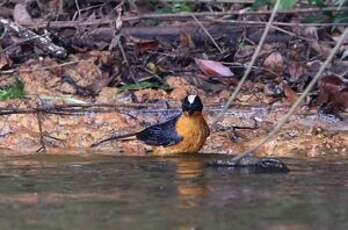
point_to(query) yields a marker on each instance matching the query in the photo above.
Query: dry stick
(292, 24)
(41, 42)
(299, 100)
(42, 142)
(177, 16)
(213, 1)
(26, 70)
(207, 33)
(253, 59)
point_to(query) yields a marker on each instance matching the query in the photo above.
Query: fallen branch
(43, 43)
(176, 16)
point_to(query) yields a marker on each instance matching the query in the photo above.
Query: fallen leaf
(274, 62)
(290, 94)
(144, 45)
(213, 68)
(4, 61)
(186, 40)
(334, 91)
(311, 32)
(21, 15)
(296, 70)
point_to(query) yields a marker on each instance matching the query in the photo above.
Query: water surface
(65, 192)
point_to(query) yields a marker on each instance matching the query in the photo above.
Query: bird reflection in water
(190, 182)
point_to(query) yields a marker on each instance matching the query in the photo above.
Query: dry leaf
(20, 14)
(322, 48)
(144, 44)
(290, 94)
(333, 90)
(311, 32)
(296, 70)
(186, 40)
(274, 62)
(213, 68)
(4, 61)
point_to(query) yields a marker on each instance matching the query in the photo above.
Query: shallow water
(55, 192)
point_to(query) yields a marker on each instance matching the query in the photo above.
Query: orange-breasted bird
(185, 133)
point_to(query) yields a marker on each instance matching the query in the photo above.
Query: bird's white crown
(191, 98)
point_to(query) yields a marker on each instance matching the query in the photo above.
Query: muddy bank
(305, 135)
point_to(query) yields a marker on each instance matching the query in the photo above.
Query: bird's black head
(191, 104)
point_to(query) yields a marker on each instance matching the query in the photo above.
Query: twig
(78, 9)
(11, 71)
(177, 16)
(253, 59)
(213, 1)
(41, 42)
(299, 100)
(259, 23)
(208, 34)
(42, 142)
(71, 109)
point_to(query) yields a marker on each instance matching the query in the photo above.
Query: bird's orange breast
(194, 130)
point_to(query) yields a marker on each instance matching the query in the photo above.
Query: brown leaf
(311, 32)
(143, 44)
(290, 94)
(20, 14)
(296, 70)
(186, 40)
(213, 68)
(322, 48)
(333, 90)
(274, 62)
(4, 61)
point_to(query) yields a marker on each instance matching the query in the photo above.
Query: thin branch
(41, 42)
(176, 16)
(213, 1)
(299, 100)
(253, 59)
(42, 142)
(208, 34)
(26, 70)
(291, 24)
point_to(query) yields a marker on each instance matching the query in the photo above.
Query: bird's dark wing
(162, 134)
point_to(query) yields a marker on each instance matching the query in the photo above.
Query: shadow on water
(65, 192)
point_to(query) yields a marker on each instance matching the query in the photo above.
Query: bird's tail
(113, 137)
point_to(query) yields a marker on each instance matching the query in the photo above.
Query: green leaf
(12, 91)
(315, 18)
(259, 3)
(144, 85)
(175, 7)
(341, 17)
(181, 7)
(287, 4)
(284, 4)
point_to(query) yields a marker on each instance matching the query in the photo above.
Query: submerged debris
(263, 165)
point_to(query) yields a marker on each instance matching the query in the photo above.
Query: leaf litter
(98, 90)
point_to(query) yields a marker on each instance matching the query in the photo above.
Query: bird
(183, 134)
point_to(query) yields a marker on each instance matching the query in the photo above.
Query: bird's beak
(190, 112)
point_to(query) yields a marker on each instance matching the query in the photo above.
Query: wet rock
(263, 165)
